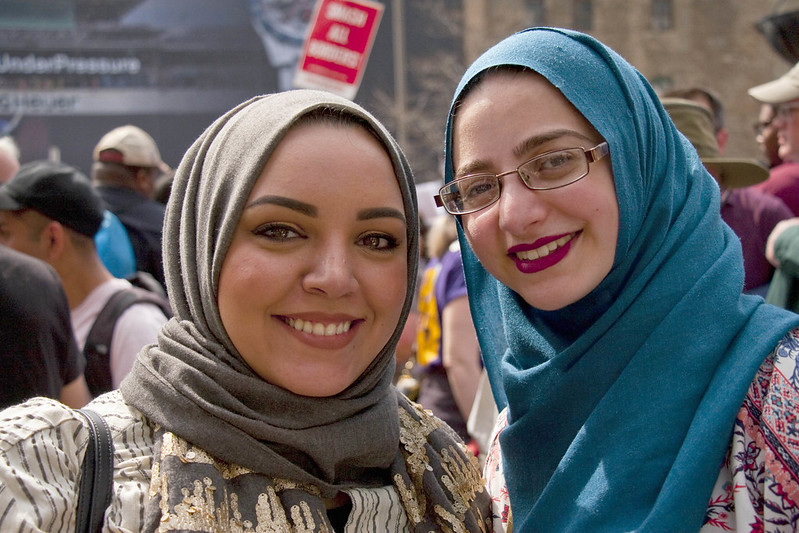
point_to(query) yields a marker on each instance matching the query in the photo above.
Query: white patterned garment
(42, 444)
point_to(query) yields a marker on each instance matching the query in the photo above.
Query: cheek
(386, 288)
(607, 223)
(242, 284)
(477, 227)
(22, 243)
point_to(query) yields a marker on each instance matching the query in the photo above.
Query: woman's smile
(318, 328)
(326, 334)
(542, 254)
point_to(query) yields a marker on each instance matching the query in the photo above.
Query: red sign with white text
(339, 40)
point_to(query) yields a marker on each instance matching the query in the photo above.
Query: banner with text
(337, 47)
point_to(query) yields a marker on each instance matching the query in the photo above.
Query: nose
(331, 272)
(518, 205)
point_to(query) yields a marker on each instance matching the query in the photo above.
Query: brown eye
(379, 242)
(277, 232)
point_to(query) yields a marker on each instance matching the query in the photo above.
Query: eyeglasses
(785, 111)
(551, 170)
(761, 126)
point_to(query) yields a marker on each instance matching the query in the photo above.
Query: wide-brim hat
(783, 89)
(696, 123)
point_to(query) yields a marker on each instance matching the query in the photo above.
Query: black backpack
(146, 289)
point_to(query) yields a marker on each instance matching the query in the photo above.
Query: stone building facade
(673, 43)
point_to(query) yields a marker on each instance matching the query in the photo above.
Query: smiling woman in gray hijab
(258, 409)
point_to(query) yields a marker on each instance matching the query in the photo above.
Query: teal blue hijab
(621, 406)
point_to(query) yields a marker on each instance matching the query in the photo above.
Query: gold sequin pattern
(461, 475)
(201, 508)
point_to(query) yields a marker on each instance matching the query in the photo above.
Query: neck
(80, 276)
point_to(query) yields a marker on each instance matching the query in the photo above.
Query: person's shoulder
(433, 451)
(784, 355)
(757, 199)
(132, 432)
(30, 288)
(788, 169)
(777, 376)
(120, 415)
(769, 425)
(42, 448)
(43, 419)
(421, 426)
(18, 265)
(126, 203)
(143, 313)
(51, 423)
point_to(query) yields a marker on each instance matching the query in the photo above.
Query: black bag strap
(97, 349)
(97, 475)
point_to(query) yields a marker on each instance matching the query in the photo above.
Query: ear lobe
(54, 237)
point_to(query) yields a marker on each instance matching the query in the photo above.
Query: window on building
(662, 14)
(583, 15)
(537, 12)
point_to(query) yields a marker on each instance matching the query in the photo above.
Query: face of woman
(315, 279)
(554, 246)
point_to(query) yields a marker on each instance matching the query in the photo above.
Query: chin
(551, 301)
(323, 390)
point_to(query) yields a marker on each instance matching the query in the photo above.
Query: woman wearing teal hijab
(608, 304)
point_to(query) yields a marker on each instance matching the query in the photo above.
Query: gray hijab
(194, 384)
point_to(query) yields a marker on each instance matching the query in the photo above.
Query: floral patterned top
(758, 487)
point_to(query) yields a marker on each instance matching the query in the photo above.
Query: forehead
(518, 91)
(338, 159)
(506, 109)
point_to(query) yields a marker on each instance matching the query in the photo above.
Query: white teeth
(317, 328)
(545, 250)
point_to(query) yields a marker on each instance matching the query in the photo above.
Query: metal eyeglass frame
(591, 155)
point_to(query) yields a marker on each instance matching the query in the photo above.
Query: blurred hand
(776, 232)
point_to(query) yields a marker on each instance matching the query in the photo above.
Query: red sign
(337, 46)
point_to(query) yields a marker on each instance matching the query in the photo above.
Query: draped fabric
(621, 405)
(199, 390)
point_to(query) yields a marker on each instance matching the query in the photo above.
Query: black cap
(57, 191)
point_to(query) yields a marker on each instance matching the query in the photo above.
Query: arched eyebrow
(311, 211)
(522, 149)
(531, 143)
(282, 201)
(381, 212)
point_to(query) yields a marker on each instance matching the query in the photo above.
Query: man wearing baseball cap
(127, 165)
(52, 212)
(783, 94)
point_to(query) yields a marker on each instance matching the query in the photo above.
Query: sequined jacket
(42, 444)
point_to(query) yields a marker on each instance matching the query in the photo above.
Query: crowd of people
(604, 288)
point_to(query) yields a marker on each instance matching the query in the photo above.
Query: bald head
(9, 159)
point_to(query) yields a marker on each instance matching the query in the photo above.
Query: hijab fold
(212, 407)
(621, 405)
